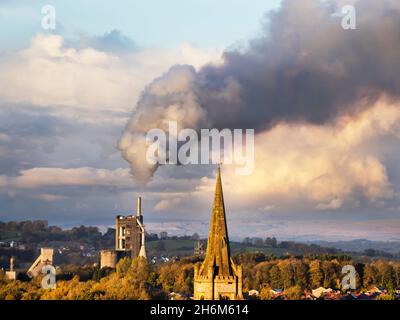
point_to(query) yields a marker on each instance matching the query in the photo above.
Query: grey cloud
(303, 68)
(93, 196)
(113, 41)
(28, 134)
(32, 136)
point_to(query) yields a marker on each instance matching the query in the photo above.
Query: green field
(183, 248)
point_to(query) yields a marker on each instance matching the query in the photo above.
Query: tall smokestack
(139, 206)
(11, 264)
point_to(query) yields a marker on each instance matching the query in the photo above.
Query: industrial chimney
(11, 264)
(139, 206)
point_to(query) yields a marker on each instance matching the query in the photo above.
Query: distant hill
(80, 245)
(362, 245)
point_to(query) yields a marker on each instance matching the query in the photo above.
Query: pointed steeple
(218, 252)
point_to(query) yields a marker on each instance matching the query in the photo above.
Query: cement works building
(129, 239)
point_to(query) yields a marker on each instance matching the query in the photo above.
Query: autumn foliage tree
(137, 279)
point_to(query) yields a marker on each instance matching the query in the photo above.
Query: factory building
(129, 238)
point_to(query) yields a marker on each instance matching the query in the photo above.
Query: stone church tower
(218, 277)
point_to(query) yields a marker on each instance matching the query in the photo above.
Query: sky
(75, 104)
(166, 24)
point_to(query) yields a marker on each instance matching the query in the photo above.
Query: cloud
(50, 177)
(303, 68)
(27, 134)
(32, 136)
(68, 108)
(90, 195)
(166, 205)
(268, 207)
(294, 230)
(303, 167)
(299, 167)
(114, 42)
(86, 79)
(334, 204)
(48, 197)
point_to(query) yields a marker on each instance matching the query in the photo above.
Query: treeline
(300, 248)
(34, 232)
(137, 279)
(38, 231)
(304, 248)
(132, 280)
(311, 272)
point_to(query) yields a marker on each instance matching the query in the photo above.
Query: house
(332, 295)
(377, 290)
(277, 294)
(276, 291)
(254, 293)
(363, 296)
(176, 296)
(317, 293)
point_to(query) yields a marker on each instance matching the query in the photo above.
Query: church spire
(218, 252)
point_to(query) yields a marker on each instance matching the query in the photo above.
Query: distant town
(76, 253)
(126, 262)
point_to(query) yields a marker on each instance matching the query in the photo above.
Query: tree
(287, 273)
(387, 296)
(316, 274)
(387, 278)
(294, 293)
(274, 242)
(184, 279)
(176, 277)
(3, 279)
(266, 294)
(396, 269)
(275, 277)
(261, 274)
(163, 235)
(195, 236)
(329, 274)
(258, 242)
(370, 276)
(359, 274)
(127, 283)
(123, 266)
(301, 274)
(247, 241)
